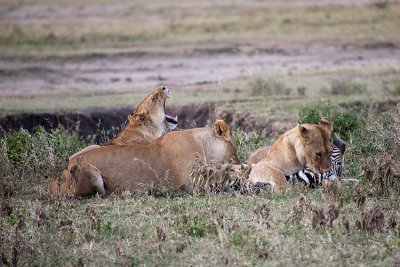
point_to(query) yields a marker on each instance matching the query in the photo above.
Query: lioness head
(314, 146)
(152, 110)
(222, 132)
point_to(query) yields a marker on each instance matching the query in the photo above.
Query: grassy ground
(202, 229)
(227, 229)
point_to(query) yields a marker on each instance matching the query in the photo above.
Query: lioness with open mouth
(306, 145)
(167, 160)
(146, 123)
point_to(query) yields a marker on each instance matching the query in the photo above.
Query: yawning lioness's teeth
(171, 118)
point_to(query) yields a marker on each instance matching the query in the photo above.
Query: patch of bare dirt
(105, 123)
(184, 66)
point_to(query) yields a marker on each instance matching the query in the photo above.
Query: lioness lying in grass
(146, 123)
(306, 145)
(167, 160)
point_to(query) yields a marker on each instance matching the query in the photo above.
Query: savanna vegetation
(331, 225)
(63, 56)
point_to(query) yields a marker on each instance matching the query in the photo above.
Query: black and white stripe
(312, 179)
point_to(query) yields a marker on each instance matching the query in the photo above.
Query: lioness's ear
(302, 131)
(326, 123)
(221, 129)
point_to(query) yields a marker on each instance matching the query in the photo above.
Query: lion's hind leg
(264, 173)
(89, 180)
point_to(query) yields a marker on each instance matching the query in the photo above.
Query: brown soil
(105, 123)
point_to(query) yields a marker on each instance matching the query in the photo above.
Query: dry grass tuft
(299, 209)
(359, 196)
(217, 177)
(160, 234)
(262, 211)
(41, 218)
(180, 247)
(333, 191)
(382, 174)
(371, 220)
(7, 190)
(6, 209)
(394, 221)
(93, 218)
(66, 225)
(323, 215)
(218, 219)
(263, 252)
(346, 224)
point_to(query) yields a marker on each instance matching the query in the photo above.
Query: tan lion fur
(304, 145)
(146, 123)
(165, 161)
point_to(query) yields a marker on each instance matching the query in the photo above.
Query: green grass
(140, 229)
(212, 230)
(236, 95)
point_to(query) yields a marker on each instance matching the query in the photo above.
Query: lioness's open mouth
(169, 118)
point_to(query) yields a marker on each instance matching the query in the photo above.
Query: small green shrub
(19, 144)
(345, 124)
(262, 87)
(347, 88)
(36, 155)
(313, 113)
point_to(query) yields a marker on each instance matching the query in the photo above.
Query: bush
(382, 4)
(345, 124)
(313, 113)
(18, 145)
(347, 88)
(261, 87)
(36, 156)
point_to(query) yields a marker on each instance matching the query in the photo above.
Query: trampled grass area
(194, 230)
